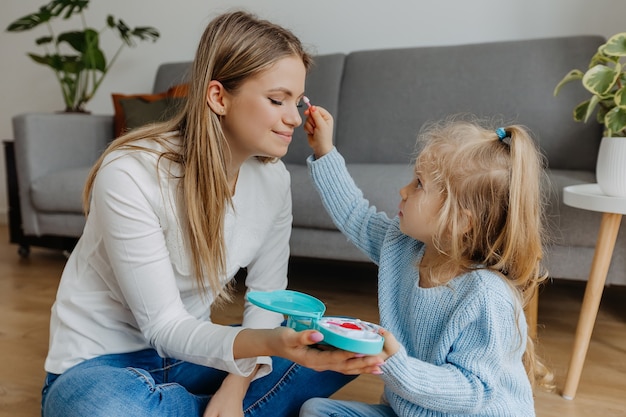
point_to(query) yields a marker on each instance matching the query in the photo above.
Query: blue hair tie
(501, 133)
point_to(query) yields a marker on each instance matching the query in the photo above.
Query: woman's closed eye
(275, 102)
(281, 102)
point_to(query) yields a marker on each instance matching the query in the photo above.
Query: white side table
(590, 197)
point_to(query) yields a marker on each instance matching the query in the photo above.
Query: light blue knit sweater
(462, 343)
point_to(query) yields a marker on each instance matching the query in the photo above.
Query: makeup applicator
(306, 101)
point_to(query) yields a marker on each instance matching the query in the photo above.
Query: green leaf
(44, 40)
(30, 21)
(570, 76)
(600, 58)
(600, 79)
(76, 39)
(616, 45)
(43, 59)
(95, 60)
(615, 119)
(72, 65)
(591, 107)
(146, 33)
(581, 110)
(124, 32)
(70, 7)
(141, 32)
(620, 97)
(603, 107)
(64, 63)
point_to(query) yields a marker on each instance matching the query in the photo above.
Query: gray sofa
(380, 99)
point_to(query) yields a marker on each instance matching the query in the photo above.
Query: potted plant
(605, 79)
(75, 56)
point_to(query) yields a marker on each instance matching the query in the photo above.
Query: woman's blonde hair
(492, 213)
(234, 47)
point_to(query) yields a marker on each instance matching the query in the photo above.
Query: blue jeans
(144, 384)
(323, 407)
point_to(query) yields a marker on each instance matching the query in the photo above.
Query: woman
(175, 209)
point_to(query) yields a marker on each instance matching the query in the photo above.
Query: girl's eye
(275, 102)
(418, 183)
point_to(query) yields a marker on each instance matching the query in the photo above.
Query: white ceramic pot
(611, 166)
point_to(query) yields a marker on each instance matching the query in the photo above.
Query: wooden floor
(27, 289)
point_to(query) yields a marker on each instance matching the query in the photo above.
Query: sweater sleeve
(484, 355)
(344, 201)
(124, 199)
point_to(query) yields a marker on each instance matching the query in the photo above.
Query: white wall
(324, 25)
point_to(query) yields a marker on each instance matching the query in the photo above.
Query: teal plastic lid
(291, 303)
(305, 312)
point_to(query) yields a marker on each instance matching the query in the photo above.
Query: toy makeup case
(305, 312)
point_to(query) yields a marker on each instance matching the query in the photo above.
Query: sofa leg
(23, 251)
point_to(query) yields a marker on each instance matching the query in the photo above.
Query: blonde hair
(234, 47)
(492, 211)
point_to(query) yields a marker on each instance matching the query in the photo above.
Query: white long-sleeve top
(128, 285)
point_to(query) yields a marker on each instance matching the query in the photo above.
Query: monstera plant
(75, 56)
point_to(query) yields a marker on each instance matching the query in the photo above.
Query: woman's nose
(292, 117)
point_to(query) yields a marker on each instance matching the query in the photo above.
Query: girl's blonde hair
(234, 47)
(492, 214)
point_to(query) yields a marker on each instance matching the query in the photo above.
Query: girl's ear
(216, 97)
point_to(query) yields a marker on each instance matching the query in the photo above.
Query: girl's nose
(404, 192)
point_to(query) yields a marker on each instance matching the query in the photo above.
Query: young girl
(456, 267)
(175, 210)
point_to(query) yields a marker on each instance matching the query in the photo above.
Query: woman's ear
(216, 97)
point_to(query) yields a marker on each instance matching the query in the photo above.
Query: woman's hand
(228, 399)
(319, 130)
(296, 346)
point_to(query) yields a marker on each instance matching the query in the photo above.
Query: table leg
(591, 300)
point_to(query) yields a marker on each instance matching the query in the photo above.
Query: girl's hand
(319, 130)
(228, 399)
(296, 346)
(391, 345)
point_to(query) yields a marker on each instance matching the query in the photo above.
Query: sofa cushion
(170, 74)
(387, 95)
(136, 110)
(60, 192)
(380, 184)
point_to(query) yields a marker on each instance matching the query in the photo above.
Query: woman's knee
(103, 391)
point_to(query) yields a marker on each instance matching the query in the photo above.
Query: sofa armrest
(46, 143)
